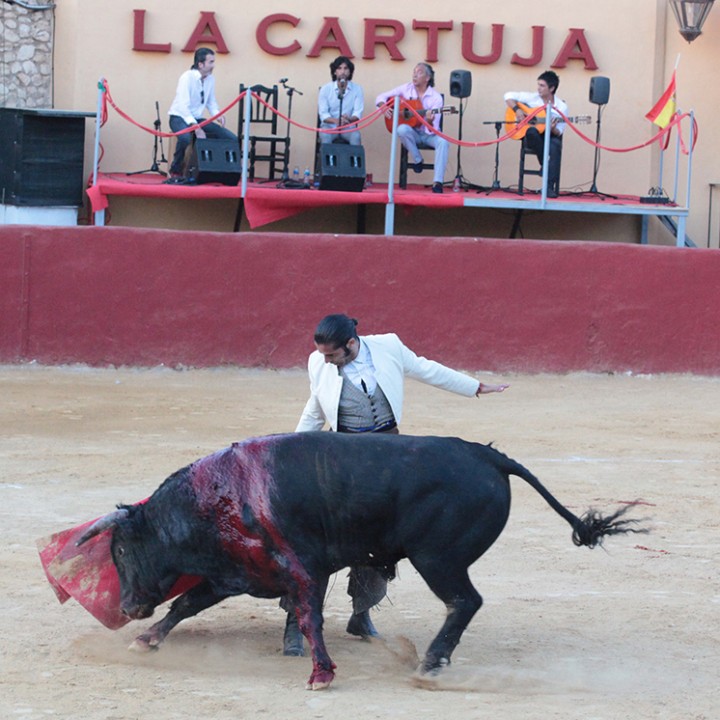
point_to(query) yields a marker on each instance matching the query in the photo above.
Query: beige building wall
(634, 44)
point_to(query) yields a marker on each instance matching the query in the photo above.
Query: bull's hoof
(361, 626)
(432, 668)
(317, 686)
(143, 644)
(320, 680)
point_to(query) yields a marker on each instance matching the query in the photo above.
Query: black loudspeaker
(342, 167)
(215, 160)
(460, 83)
(41, 157)
(599, 90)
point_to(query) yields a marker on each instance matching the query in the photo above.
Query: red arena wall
(143, 297)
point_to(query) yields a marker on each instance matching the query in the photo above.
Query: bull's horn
(104, 523)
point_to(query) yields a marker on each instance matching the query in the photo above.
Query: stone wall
(26, 56)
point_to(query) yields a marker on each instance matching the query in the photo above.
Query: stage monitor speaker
(460, 83)
(215, 160)
(599, 90)
(42, 157)
(342, 167)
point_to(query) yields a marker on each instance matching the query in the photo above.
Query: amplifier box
(342, 167)
(215, 160)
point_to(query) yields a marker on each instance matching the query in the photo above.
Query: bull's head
(140, 561)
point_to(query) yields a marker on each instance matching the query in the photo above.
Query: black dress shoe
(418, 166)
(437, 187)
(361, 625)
(293, 638)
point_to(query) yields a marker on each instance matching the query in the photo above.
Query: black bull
(278, 515)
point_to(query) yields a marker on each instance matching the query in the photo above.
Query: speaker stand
(460, 181)
(596, 163)
(157, 144)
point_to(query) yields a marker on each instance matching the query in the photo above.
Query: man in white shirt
(341, 94)
(356, 386)
(547, 85)
(194, 94)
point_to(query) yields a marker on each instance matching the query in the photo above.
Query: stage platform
(265, 202)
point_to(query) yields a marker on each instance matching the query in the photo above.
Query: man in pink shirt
(422, 87)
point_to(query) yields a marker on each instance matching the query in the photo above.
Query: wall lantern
(690, 16)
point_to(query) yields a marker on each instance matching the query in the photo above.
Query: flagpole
(677, 144)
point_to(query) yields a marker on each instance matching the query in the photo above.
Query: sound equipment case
(42, 157)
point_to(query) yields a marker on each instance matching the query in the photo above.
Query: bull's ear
(104, 523)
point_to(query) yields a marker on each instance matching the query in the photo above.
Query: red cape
(87, 573)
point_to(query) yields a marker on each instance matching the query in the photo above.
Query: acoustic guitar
(406, 117)
(538, 122)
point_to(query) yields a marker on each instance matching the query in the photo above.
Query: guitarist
(422, 88)
(547, 85)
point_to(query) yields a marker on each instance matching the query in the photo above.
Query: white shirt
(193, 95)
(533, 100)
(361, 371)
(353, 101)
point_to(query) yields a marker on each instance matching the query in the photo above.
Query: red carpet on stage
(264, 202)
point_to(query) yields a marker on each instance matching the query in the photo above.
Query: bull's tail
(592, 527)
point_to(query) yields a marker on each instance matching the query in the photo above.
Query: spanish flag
(664, 109)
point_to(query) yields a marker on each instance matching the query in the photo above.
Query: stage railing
(662, 137)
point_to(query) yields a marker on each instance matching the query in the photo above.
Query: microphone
(282, 80)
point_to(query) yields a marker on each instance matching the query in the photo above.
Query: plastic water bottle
(456, 184)
(296, 174)
(306, 178)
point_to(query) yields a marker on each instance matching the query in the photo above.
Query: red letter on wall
(538, 37)
(432, 27)
(139, 35)
(200, 37)
(331, 36)
(261, 34)
(372, 38)
(575, 48)
(468, 31)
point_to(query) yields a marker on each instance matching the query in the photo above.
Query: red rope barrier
(666, 131)
(378, 113)
(107, 98)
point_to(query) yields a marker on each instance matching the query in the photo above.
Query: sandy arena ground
(631, 632)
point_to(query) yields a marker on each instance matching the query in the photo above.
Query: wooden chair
(405, 161)
(524, 150)
(266, 146)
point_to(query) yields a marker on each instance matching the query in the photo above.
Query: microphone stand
(155, 167)
(285, 179)
(498, 126)
(341, 94)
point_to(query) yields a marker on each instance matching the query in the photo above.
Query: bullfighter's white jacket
(393, 361)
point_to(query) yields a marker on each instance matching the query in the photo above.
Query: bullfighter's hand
(484, 389)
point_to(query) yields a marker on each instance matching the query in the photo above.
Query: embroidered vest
(358, 411)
